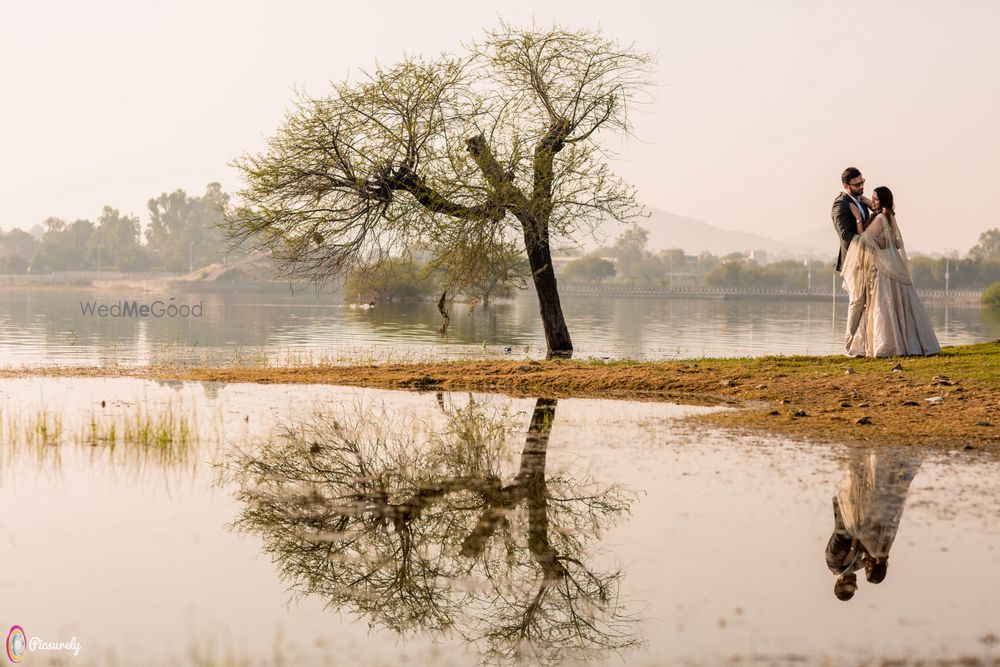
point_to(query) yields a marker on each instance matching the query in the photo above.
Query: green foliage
(480, 271)
(588, 270)
(988, 246)
(991, 297)
(636, 265)
(735, 271)
(968, 273)
(391, 280)
(706, 262)
(465, 153)
(115, 242)
(64, 247)
(17, 249)
(184, 232)
(630, 247)
(13, 264)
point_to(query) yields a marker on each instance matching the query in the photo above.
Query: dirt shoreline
(951, 400)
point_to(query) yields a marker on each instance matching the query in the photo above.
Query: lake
(291, 525)
(51, 326)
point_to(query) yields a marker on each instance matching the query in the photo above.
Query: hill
(668, 230)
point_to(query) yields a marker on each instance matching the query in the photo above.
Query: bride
(894, 322)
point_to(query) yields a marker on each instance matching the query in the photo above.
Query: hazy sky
(760, 105)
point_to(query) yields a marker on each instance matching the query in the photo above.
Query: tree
(469, 152)
(64, 247)
(17, 249)
(481, 272)
(588, 270)
(116, 241)
(726, 274)
(400, 280)
(706, 262)
(636, 265)
(630, 246)
(988, 246)
(185, 232)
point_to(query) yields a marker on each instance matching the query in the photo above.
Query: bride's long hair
(866, 254)
(886, 200)
(888, 204)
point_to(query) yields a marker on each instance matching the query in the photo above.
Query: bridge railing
(701, 290)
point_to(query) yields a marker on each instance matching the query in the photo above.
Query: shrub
(991, 297)
(588, 270)
(394, 279)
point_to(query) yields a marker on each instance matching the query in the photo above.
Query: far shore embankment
(134, 283)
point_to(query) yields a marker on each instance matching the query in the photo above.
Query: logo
(17, 643)
(158, 308)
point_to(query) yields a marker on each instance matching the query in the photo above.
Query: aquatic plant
(165, 431)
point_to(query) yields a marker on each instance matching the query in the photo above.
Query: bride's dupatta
(866, 256)
(888, 318)
(900, 261)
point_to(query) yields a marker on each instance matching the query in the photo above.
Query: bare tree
(468, 153)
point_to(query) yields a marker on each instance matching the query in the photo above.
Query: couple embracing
(886, 317)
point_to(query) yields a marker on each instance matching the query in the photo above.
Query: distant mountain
(667, 230)
(820, 239)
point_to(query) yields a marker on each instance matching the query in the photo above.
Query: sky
(758, 104)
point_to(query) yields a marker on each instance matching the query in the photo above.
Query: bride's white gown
(894, 322)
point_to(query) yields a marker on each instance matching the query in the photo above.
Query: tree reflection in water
(423, 533)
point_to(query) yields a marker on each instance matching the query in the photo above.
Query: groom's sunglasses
(857, 183)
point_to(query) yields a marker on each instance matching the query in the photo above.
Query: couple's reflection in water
(867, 510)
(448, 530)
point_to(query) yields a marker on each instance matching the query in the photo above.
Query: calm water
(48, 327)
(334, 526)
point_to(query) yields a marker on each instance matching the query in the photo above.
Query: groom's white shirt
(861, 207)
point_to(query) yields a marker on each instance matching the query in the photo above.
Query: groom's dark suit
(847, 228)
(844, 223)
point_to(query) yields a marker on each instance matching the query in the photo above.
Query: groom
(846, 226)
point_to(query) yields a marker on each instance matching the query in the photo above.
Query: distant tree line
(419, 276)
(183, 233)
(629, 262)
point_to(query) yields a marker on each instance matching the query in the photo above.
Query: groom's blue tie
(861, 207)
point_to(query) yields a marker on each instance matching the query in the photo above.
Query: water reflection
(429, 534)
(866, 513)
(43, 327)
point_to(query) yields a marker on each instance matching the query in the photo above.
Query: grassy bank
(949, 400)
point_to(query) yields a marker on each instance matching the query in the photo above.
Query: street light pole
(947, 276)
(809, 270)
(949, 254)
(191, 257)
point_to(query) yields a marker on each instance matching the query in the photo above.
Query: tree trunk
(532, 477)
(557, 339)
(444, 313)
